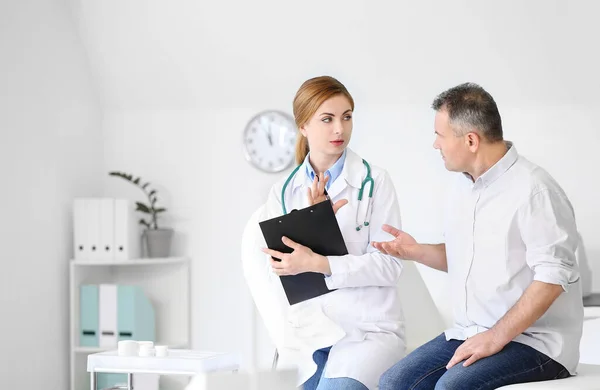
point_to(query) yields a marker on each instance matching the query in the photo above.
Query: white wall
(50, 151)
(180, 79)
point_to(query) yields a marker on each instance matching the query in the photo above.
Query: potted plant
(158, 240)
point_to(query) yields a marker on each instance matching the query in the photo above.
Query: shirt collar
(353, 173)
(333, 172)
(498, 169)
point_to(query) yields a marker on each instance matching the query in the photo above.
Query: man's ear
(473, 140)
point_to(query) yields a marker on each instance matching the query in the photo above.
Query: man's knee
(457, 378)
(395, 378)
(340, 383)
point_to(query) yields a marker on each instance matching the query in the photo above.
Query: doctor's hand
(477, 347)
(316, 194)
(404, 246)
(301, 260)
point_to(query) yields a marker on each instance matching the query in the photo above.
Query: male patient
(510, 242)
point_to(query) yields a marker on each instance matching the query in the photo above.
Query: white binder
(92, 228)
(107, 324)
(127, 238)
(106, 229)
(80, 243)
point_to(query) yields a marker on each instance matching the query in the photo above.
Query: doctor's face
(329, 130)
(453, 148)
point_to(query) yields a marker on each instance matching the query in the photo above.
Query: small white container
(146, 350)
(150, 343)
(162, 351)
(128, 348)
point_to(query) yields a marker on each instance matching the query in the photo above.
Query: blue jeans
(425, 368)
(319, 382)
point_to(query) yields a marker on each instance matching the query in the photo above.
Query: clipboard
(315, 227)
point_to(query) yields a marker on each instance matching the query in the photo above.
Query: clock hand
(269, 136)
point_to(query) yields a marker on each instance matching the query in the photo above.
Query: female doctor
(365, 304)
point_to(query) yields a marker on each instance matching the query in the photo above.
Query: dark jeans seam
(421, 379)
(560, 373)
(514, 374)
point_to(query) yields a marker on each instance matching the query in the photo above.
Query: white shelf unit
(166, 283)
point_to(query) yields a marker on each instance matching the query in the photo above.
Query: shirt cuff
(555, 275)
(339, 272)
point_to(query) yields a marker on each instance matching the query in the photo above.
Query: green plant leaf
(145, 185)
(143, 208)
(152, 193)
(143, 222)
(160, 210)
(119, 174)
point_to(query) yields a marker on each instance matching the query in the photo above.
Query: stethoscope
(368, 180)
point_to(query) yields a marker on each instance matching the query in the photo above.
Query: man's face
(454, 149)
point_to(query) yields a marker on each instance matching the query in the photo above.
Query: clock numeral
(280, 160)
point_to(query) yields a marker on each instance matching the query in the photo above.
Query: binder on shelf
(106, 229)
(110, 313)
(88, 316)
(86, 228)
(80, 243)
(142, 381)
(127, 238)
(108, 316)
(105, 380)
(135, 315)
(92, 217)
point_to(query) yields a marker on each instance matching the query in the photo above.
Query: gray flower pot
(158, 242)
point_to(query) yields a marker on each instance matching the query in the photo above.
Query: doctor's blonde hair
(308, 99)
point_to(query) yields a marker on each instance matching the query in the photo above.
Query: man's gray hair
(471, 108)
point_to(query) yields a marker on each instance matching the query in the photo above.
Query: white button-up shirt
(512, 226)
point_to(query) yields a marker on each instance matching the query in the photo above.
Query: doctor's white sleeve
(372, 268)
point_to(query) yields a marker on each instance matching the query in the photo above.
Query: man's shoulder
(532, 178)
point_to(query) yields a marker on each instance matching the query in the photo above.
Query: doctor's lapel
(352, 174)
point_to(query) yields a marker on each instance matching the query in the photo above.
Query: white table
(179, 362)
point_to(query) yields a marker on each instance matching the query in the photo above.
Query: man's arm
(434, 256)
(405, 247)
(534, 302)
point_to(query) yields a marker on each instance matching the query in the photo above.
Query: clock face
(270, 141)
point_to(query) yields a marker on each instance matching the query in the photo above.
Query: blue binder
(88, 316)
(107, 381)
(135, 315)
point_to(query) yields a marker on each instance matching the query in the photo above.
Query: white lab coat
(363, 318)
